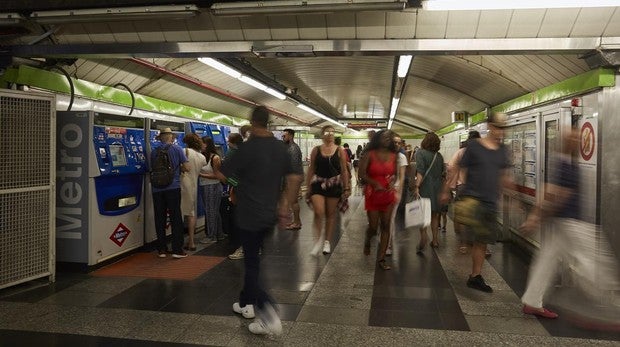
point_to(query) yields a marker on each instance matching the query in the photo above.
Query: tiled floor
(337, 299)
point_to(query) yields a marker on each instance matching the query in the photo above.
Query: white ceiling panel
(124, 32)
(175, 31)
(74, 33)
(525, 23)
(99, 32)
(591, 22)
(494, 24)
(150, 31)
(312, 27)
(227, 28)
(462, 24)
(370, 25)
(613, 27)
(400, 25)
(340, 26)
(255, 28)
(431, 25)
(201, 28)
(558, 22)
(284, 27)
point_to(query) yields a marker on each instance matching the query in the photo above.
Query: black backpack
(162, 172)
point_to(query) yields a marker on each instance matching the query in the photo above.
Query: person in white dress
(189, 184)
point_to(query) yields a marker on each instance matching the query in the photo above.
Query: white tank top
(203, 181)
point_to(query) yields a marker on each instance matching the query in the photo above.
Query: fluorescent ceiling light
(403, 65)
(7, 19)
(276, 93)
(304, 6)
(254, 83)
(394, 107)
(455, 5)
(390, 122)
(168, 12)
(221, 67)
(319, 114)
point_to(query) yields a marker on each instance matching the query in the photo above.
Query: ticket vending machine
(154, 127)
(100, 173)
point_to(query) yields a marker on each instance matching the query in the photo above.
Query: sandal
(293, 226)
(383, 265)
(435, 244)
(463, 249)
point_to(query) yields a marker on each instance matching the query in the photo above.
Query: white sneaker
(238, 254)
(246, 311)
(326, 247)
(316, 248)
(207, 241)
(270, 324)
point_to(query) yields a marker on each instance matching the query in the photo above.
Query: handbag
(418, 213)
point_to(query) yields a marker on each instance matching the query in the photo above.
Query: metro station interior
(86, 87)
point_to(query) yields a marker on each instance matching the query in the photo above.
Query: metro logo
(120, 234)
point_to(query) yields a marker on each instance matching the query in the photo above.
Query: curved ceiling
(342, 64)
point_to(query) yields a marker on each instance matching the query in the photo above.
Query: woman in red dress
(378, 170)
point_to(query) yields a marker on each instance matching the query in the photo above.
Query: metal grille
(24, 150)
(25, 246)
(27, 125)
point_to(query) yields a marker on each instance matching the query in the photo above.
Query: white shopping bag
(418, 213)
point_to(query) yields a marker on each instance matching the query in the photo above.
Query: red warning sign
(587, 142)
(120, 234)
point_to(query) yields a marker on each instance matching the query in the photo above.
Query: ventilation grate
(24, 149)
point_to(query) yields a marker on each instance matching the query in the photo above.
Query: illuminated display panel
(117, 153)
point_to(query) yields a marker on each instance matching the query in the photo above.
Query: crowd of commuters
(264, 176)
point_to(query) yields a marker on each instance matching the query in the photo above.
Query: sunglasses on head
(329, 132)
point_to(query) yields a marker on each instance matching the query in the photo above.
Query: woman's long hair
(210, 149)
(431, 142)
(375, 142)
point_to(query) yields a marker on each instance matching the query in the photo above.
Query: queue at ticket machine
(100, 171)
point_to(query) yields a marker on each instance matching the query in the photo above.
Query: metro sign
(120, 234)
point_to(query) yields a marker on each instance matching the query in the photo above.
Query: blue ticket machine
(100, 173)
(154, 127)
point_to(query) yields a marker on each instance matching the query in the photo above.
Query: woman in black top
(327, 181)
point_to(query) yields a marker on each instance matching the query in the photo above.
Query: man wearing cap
(486, 162)
(169, 198)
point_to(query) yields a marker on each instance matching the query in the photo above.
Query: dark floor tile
(195, 299)
(409, 305)
(406, 319)
(149, 294)
(454, 321)
(40, 289)
(288, 312)
(32, 338)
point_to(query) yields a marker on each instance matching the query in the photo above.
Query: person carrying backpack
(167, 163)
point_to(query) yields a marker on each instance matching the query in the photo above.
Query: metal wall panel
(99, 32)
(400, 25)
(283, 27)
(370, 25)
(591, 22)
(201, 28)
(227, 29)
(493, 24)
(312, 27)
(255, 28)
(462, 25)
(340, 26)
(150, 31)
(558, 22)
(27, 187)
(613, 26)
(431, 25)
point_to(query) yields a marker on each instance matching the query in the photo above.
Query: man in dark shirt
(486, 161)
(297, 164)
(259, 165)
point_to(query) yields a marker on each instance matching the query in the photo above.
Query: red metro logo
(120, 234)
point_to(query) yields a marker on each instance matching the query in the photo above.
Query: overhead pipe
(196, 82)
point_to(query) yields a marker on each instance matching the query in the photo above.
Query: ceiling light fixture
(248, 8)
(220, 67)
(275, 93)
(319, 114)
(404, 61)
(252, 82)
(9, 19)
(456, 5)
(393, 108)
(168, 12)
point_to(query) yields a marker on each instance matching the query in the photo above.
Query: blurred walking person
(486, 161)
(296, 162)
(259, 165)
(328, 182)
(428, 184)
(378, 170)
(400, 187)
